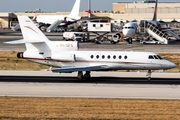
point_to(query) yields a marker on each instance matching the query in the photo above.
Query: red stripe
(30, 29)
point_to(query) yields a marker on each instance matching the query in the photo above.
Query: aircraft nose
(171, 65)
(127, 33)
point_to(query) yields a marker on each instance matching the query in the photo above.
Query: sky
(59, 5)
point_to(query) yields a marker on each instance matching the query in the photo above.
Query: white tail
(75, 11)
(37, 44)
(30, 31)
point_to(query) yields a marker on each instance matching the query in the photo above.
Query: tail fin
(155, 12)
(30, 31)
(75, 11)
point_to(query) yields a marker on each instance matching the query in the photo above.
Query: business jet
(65, 19)
(65, 55)
(134, 29)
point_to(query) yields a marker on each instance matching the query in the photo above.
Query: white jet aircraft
(130, 29)
(67, 19)
(65, 55)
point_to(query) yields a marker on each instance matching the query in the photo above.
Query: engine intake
(20, 55)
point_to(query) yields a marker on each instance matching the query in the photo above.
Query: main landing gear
(86, 76)
(129, 40)
(149, 74)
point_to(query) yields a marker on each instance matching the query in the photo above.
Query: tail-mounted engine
(20, 55)
(68, 57)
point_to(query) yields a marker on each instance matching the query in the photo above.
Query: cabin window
(155, 57)
(109, 57)
(101, 25)
(114, 57)
(94, 25)
(97, 56)
(120, 57)
(92, 56)
(125, 57)
(151, 57)
(103, 57)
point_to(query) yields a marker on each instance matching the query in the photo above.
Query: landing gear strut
(86, 76)
(80, 75)
(129, 40)
(149, 74)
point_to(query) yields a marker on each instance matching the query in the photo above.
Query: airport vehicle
(62, 20)
(76, 36)
(65, 55)
(101, 29)
(146, 28)
(114, 39)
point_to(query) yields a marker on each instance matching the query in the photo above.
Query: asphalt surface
(8, 35)
(101, 85)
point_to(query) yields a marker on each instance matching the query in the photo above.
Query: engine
(20, 55)
(120, 35)
(68, 57)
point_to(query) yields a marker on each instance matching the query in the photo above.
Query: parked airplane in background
(146, 28)
(65, 55)
(60, 19)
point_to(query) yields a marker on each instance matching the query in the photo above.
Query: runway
(102, 85)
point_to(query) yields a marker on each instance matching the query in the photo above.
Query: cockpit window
(156, 57)
(151, 57)
(159, 57)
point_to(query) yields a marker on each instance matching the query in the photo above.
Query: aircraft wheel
(112, 42)
(87, 76)
(97, 42)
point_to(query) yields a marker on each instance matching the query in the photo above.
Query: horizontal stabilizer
(24, 41)
(75, 69)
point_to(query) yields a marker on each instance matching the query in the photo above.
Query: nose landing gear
(149, 75)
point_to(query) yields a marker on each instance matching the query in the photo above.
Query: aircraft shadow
(102, 80)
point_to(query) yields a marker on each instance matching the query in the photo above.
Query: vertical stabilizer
(75, 11)
(30, 31)
(155, 12)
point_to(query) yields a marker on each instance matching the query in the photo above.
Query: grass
(87, 108)
(82, 108)
(9, 61)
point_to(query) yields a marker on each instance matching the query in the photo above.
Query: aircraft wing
(176, 29)
(75, 69)
(173, 34)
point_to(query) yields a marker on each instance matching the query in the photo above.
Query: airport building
(121, 11)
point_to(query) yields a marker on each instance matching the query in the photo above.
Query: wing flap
(75, 69)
